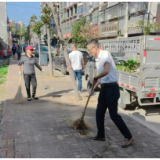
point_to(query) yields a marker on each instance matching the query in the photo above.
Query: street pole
(39, 50)
(71, 73)
(50, 55)
(126, 22)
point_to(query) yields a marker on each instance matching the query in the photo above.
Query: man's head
(93, 47)
(74, 46)
(29, 50)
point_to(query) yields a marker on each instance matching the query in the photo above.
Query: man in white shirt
(109, 93)
(77, 62)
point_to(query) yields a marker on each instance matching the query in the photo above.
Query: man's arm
(37, 65)
(21, 61)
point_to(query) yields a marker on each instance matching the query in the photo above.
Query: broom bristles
(80, 124)
(19, 96)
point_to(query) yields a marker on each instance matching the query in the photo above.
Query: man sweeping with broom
(109, 93)
(29, 62)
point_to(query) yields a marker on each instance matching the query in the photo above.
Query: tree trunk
(71, 73)
(39, 50)
(51, 73)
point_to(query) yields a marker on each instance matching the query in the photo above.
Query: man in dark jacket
(29, 62)
(14, 50)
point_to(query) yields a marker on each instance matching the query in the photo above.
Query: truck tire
(63, 70)
(124, 99)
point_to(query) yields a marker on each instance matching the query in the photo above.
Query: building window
(80, 9)
(75, 7)
(71, 11)
(68, 14)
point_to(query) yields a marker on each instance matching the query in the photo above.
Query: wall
(3, 29)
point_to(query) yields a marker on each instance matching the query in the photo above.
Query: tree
(89, 31)
(76, 36)
(36, 28)
(13, 30)
(147, 28)
(53, 7)
(46, 20)
(21, 32)
(28, 34)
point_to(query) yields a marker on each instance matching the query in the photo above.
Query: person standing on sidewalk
(77, 62)
(109, 93)
(14, 50)
(29, 62)
(18, 50)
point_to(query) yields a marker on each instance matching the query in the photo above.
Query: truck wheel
(63, 70)
(89, 85)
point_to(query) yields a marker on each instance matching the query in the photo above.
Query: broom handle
(20, 80)
(86, 106)
(42, 79)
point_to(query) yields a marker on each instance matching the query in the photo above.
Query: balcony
(138, 7)
(71, 5)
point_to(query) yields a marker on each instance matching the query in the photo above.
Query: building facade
(3, 26)
(113, 19)
(110, 17)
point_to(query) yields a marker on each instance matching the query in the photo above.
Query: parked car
(60, 63)
(44, 49)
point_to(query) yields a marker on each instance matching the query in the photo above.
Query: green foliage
(21, 32)
(35, 25)
(46, 16)
(36, 28)
(33, 19)
(3, 74)
(147, 28)
(12, 28)
(128, 66)
(28, 36)
(76, 37)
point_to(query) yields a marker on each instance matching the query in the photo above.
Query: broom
(19, 96)
(80, 123)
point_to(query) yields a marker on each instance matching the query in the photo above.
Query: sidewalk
(40, 129)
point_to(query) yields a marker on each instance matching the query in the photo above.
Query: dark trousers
(19, 56)
(14, 51)
(78, 74)
(30, 79)
(108, 98)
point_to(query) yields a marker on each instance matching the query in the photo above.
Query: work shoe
(36, 98)
(29, 99)
(127, 142)
(96, 138)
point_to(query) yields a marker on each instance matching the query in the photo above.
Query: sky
(22, 11)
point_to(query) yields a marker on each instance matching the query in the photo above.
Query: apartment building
(109, 17)
(3, 26)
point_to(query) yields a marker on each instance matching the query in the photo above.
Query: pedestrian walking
(109, 93)
(18, 51)
(77, 62)
(29, 62)
(14, 50)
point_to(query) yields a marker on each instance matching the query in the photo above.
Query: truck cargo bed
(128, 80)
